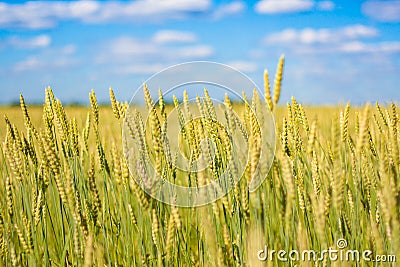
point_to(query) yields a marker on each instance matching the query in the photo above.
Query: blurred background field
(109, 125)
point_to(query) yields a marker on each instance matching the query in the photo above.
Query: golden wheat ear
(278, 79)
(267, 91)
(115, 105)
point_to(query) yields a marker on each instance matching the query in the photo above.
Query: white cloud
(347, 40)
(390, 47)
(149, 55)
(244, 66)
(151, 10)
(193, 52)
(48, 59)
(69, 49)
(37, 63)
(81, 9)
(171, 36)
(40, 41)
(140, 68)
(360, 47)
(283, 6)
(46, 14)
(358, 31)
(27, 64)
(128, 48)
(353, 47)
(326, 5)
(229, 9)
(386, 11)
(324, 35)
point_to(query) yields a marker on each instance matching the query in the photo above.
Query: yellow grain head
(393, 132)
(147, 97)
(228, 244)
(95, 108)
(176, 216)
(316, 179)
(22, 240)
(154, 227)
(96, 202)
(245, 197)
(363, 130)
(278, 79)
(9, 196)
(170, 236)
(132, 215)
(285, 138)
(28, 122)
(86, 131)
(381, 114)
(345, 125)
(267, 91)
(312, 137)
(161, 104)
(74, 136)
(79, 215)
(114, 104)
(117, 164)
(38, 208)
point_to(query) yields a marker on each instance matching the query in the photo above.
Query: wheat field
(69, 199)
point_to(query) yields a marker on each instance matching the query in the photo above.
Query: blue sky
(336, 51)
